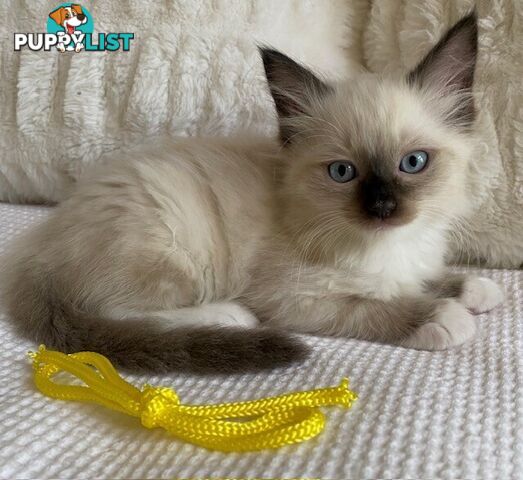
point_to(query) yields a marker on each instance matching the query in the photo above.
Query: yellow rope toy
(228, 427)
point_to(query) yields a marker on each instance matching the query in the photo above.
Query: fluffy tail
(145, 345)
(139, 346)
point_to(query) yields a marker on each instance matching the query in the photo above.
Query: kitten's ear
(293, 88)
(449, 66)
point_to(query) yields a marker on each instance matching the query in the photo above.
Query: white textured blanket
(193, 69)
(454, 414)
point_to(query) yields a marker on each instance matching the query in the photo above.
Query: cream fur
(211, 85)
(172, 230)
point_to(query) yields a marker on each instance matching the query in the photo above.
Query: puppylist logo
(70, 27)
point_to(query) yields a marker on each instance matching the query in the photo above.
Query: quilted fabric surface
(454, 414)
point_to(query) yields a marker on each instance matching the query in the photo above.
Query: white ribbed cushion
(455, 414)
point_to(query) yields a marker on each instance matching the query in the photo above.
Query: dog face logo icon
(69, 22)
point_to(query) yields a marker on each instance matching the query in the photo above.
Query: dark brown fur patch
(292, 87)
(405, 208)
(453, 59)
(407, 190)
(139, 345)
(391, 321)
(450, 286)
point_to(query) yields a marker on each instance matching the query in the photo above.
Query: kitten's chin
(384, 224)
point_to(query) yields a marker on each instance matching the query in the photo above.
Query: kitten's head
(375, 154)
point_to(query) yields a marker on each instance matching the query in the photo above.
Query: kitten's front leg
(420, 322)
(478, 294)
(450, 324)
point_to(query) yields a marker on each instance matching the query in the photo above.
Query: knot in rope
(156, 403)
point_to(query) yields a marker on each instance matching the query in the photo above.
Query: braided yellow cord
(229, 427)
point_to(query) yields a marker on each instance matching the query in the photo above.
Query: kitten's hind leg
(223, 314)
(477, 294)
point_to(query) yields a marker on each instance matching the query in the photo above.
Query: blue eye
(342, 172)
(414, 162)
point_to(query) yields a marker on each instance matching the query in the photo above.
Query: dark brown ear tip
(467, 24)
(269, 53)
(464, 33)
(271, 57)
(471, 18)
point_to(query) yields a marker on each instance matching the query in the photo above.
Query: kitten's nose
(382, 207)
(378, 199)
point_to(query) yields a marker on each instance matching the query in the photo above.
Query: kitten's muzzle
(378, 199)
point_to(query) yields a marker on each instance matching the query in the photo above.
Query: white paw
(232, 314)
(79, 47)
(452, 325)
(61, 48)
(481, 294)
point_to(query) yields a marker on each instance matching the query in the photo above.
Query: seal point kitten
(171, 255)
